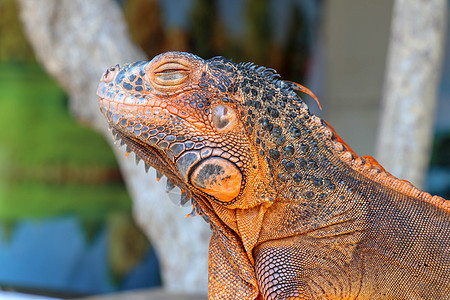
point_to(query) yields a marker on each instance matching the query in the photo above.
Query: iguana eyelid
(171, 66)
(171, 78)
(170, 74)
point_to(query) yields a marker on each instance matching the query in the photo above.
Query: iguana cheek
(218, 177)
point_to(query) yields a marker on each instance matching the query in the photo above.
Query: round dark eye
(170, 74)
(224, 117)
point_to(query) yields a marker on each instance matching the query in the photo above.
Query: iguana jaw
(152, 157)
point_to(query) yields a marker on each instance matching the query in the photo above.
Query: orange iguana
(295, 213)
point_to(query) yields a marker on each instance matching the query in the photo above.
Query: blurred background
(66, 224)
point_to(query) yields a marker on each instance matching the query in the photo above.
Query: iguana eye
(218, 177)
(224, 117)
(170, 74)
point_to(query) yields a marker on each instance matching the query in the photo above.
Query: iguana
(295, 213)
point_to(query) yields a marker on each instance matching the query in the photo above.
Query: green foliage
(207, 35)
(50, 165)
(34, 199)
(13, 44)
(202, 36)
(128, 245)
(258, 22)
(145, 23)
(34, 109)
(440, 155)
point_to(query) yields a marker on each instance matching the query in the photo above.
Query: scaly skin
(295, 213)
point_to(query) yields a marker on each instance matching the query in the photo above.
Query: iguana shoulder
(294, 211)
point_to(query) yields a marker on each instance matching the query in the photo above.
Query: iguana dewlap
(295, 213)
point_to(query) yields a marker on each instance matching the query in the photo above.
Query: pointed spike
(169, 186)
(122, 143)
(184, 199)
(301, 88)
(193, 213)
(260, 69)
(205, 217)
(158, 175)
(127, 154)
(128, 149)
(138, 158)
(269, 71)
(147, 166)
(274, 76)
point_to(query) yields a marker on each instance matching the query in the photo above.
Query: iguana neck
(302, 150)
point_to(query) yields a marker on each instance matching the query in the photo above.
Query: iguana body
(295, 214)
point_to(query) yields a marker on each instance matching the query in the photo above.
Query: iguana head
(213, 127)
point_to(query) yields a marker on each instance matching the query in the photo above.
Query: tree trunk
(76, 41)
(409, 96)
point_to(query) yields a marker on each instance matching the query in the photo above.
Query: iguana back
(295, 213)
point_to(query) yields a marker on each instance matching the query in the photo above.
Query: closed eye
(170, 74)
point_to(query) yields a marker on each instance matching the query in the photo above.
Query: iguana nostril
(110, 74)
